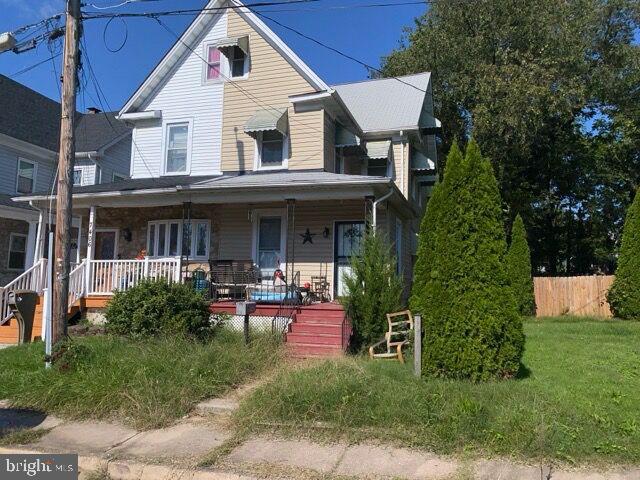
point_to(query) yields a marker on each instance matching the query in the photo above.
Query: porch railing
(32, 279)
(77, 282)
(106, 276)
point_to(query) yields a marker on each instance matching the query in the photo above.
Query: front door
(106, 244)
(270, 244)
(348, 242)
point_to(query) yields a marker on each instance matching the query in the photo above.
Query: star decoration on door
(307, 237)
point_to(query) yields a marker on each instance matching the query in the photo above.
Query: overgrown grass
(145, 384)
(577, 401)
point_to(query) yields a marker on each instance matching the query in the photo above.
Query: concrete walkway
(177, 451)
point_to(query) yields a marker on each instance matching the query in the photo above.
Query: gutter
(374, 223)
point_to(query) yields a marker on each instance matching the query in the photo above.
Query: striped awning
(344, 138)
(268, 119)
(241, 42)
(379, 149)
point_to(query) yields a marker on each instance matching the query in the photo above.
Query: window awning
(268, 119)
(344, 138)
(379, 149)
(420, 162)
(229, 42)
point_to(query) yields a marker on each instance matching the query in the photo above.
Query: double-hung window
(77, 177)
(170, 238)
(17, 251)
(26, 176)
(272, 149)
(213, 63)
(237, 62)
(377, 167)
(176, 148)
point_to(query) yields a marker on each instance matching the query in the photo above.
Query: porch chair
(395, 338)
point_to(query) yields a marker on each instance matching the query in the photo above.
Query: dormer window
(377, 167)
(237, 61)
(377, 164)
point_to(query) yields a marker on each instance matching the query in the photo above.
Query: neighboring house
(241, 153)
(29, 132)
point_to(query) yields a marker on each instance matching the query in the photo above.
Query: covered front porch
(253, 242)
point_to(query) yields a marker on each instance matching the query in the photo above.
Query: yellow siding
(270, 82)
(329, 143)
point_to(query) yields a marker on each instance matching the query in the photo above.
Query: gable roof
(389, 104)
(194, 32)
(33, 118)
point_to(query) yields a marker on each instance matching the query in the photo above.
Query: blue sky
(366, 34)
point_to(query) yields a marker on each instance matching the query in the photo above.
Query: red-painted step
(300, 350)
(316, 328)
(314, 339)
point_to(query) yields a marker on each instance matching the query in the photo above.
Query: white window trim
(165, 143)
(26, 244)
(268, 212)
(35, 174)
(257, 155)
(81, 170)
(167, 224)
(225, 67)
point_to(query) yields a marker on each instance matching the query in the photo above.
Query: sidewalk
(178, 451)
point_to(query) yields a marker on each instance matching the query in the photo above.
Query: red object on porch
(318, 330)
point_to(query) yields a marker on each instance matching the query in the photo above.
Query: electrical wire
(31, 67)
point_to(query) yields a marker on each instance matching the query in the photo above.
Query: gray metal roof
(5, 201)
(33, 118)
(283, 179)
(387, 103)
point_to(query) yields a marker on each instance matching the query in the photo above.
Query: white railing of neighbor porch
(77, 283)
(106, 276)
(32, 279)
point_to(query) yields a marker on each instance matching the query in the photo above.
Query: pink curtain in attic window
(213, 70)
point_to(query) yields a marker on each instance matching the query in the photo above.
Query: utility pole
(65, 172)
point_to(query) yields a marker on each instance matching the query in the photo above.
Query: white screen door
(348, 242)
(270, 244)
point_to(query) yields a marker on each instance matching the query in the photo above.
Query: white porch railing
(77, 283)
(32, 279)
(106, 276)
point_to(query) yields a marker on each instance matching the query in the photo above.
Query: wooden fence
(582, 296)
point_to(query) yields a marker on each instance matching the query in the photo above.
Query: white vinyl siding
(184, 93)
(9, 169)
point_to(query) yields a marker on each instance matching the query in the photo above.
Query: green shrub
(427, 236)
(624, 294)
(155, 307)
(471, 322)
(518, 264)
(373, 290)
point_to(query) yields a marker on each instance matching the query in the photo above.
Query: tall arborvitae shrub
(624, 294)
(472, 326)
(373, 289)
(519, 269)
(428, 227)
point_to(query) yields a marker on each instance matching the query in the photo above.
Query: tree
(549, 90)
(624, 294)
(428, 228)
(472, 327)
(518, 263)
(373, 289)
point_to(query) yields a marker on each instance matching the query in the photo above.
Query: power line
(28, 69)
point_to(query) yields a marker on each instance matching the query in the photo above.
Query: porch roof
(264, 186)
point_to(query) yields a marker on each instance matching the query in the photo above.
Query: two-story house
(29, 139)
(242, 154)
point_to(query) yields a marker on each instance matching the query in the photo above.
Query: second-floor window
(272, 146)
(377, 167)
(77, 177)
(177, 148)
(26, 176)
(237, 62)
(213, 60)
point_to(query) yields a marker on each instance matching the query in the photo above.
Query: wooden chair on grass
(398, 335)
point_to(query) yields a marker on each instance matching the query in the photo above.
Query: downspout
(374, 223)
(403, 163)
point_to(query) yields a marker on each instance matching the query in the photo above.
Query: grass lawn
(578, 400)
(145, 384)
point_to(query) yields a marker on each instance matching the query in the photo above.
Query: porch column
(91, 237)
(368, 211)
(40, 233)
(79, 239)
(291, 239)
(31, 244)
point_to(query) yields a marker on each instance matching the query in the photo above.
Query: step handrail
(31, 279)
